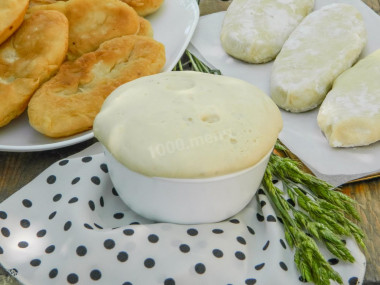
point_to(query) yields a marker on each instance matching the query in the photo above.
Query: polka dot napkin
(69, 226)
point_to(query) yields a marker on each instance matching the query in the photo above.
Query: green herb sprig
(311, 209)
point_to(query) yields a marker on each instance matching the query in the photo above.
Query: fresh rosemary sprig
(311, 209)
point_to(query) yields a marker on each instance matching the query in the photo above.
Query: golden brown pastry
(42, 2)
(145, 28)
(28, 58)
(144, 7)
(93, 22)
(11, 16)
(68, 103)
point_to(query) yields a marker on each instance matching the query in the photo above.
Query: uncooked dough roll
(350, 114)
(255, 30)
(326, 43)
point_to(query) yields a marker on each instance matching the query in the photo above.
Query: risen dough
(255, 30)
(326, 43)
(350, 114)
(188, 124)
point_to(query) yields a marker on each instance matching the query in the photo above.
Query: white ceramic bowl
(186, 201)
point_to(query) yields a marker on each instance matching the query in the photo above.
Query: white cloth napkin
(69, 226)
(301, 133)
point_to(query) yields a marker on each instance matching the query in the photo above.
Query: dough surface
(188, 125)
(255, 30)
(350, 114)
(29, 58)
(94, 21)
(11, 16)
(144, 7)
(326, 43)
(68, 103)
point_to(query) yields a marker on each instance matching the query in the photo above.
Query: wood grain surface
(18, 169)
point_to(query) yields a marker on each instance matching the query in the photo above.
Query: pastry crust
(144, 7)
(350, 114)
(145, 28)
(11, 16)
(94, 21)
(68, 103)
(28, 58)
(42, 2)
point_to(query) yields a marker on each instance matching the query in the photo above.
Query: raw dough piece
(188, 124)
(94, 21)
(255, 30)
(326, 43)
(350, 114)
(28, 58)
(68, 103)
(11, 16)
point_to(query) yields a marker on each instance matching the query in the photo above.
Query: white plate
(301, 133)
(173, 25)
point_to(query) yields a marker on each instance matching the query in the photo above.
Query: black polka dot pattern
(153, 238)
(3, 215)
(122, 256)
(260, 266)
(79, 216)
(260, 217)
(95, 180)
(53, 273)
(169, 281)
(27, 203)
(109, 244)
(217, 253)
(184, 248)
(25, 223)
(50, 249)
(67, 226)
(86, 159)
(63, 162)
(192, 232)
(95, 274)
(283, 266)
(81, 250)
(72, 278)
(353, 281)
(128, 232)
(41, 233)
(250, 281)
(51, 179)
(200, 268)
(333, 261)
(35, 262)
(149, 263)
(57, 197)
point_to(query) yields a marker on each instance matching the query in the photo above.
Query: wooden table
(18, 169)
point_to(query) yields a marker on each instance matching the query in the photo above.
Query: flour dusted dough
(350, 114)
(188, 124)
(326, 43)
(255, 30)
